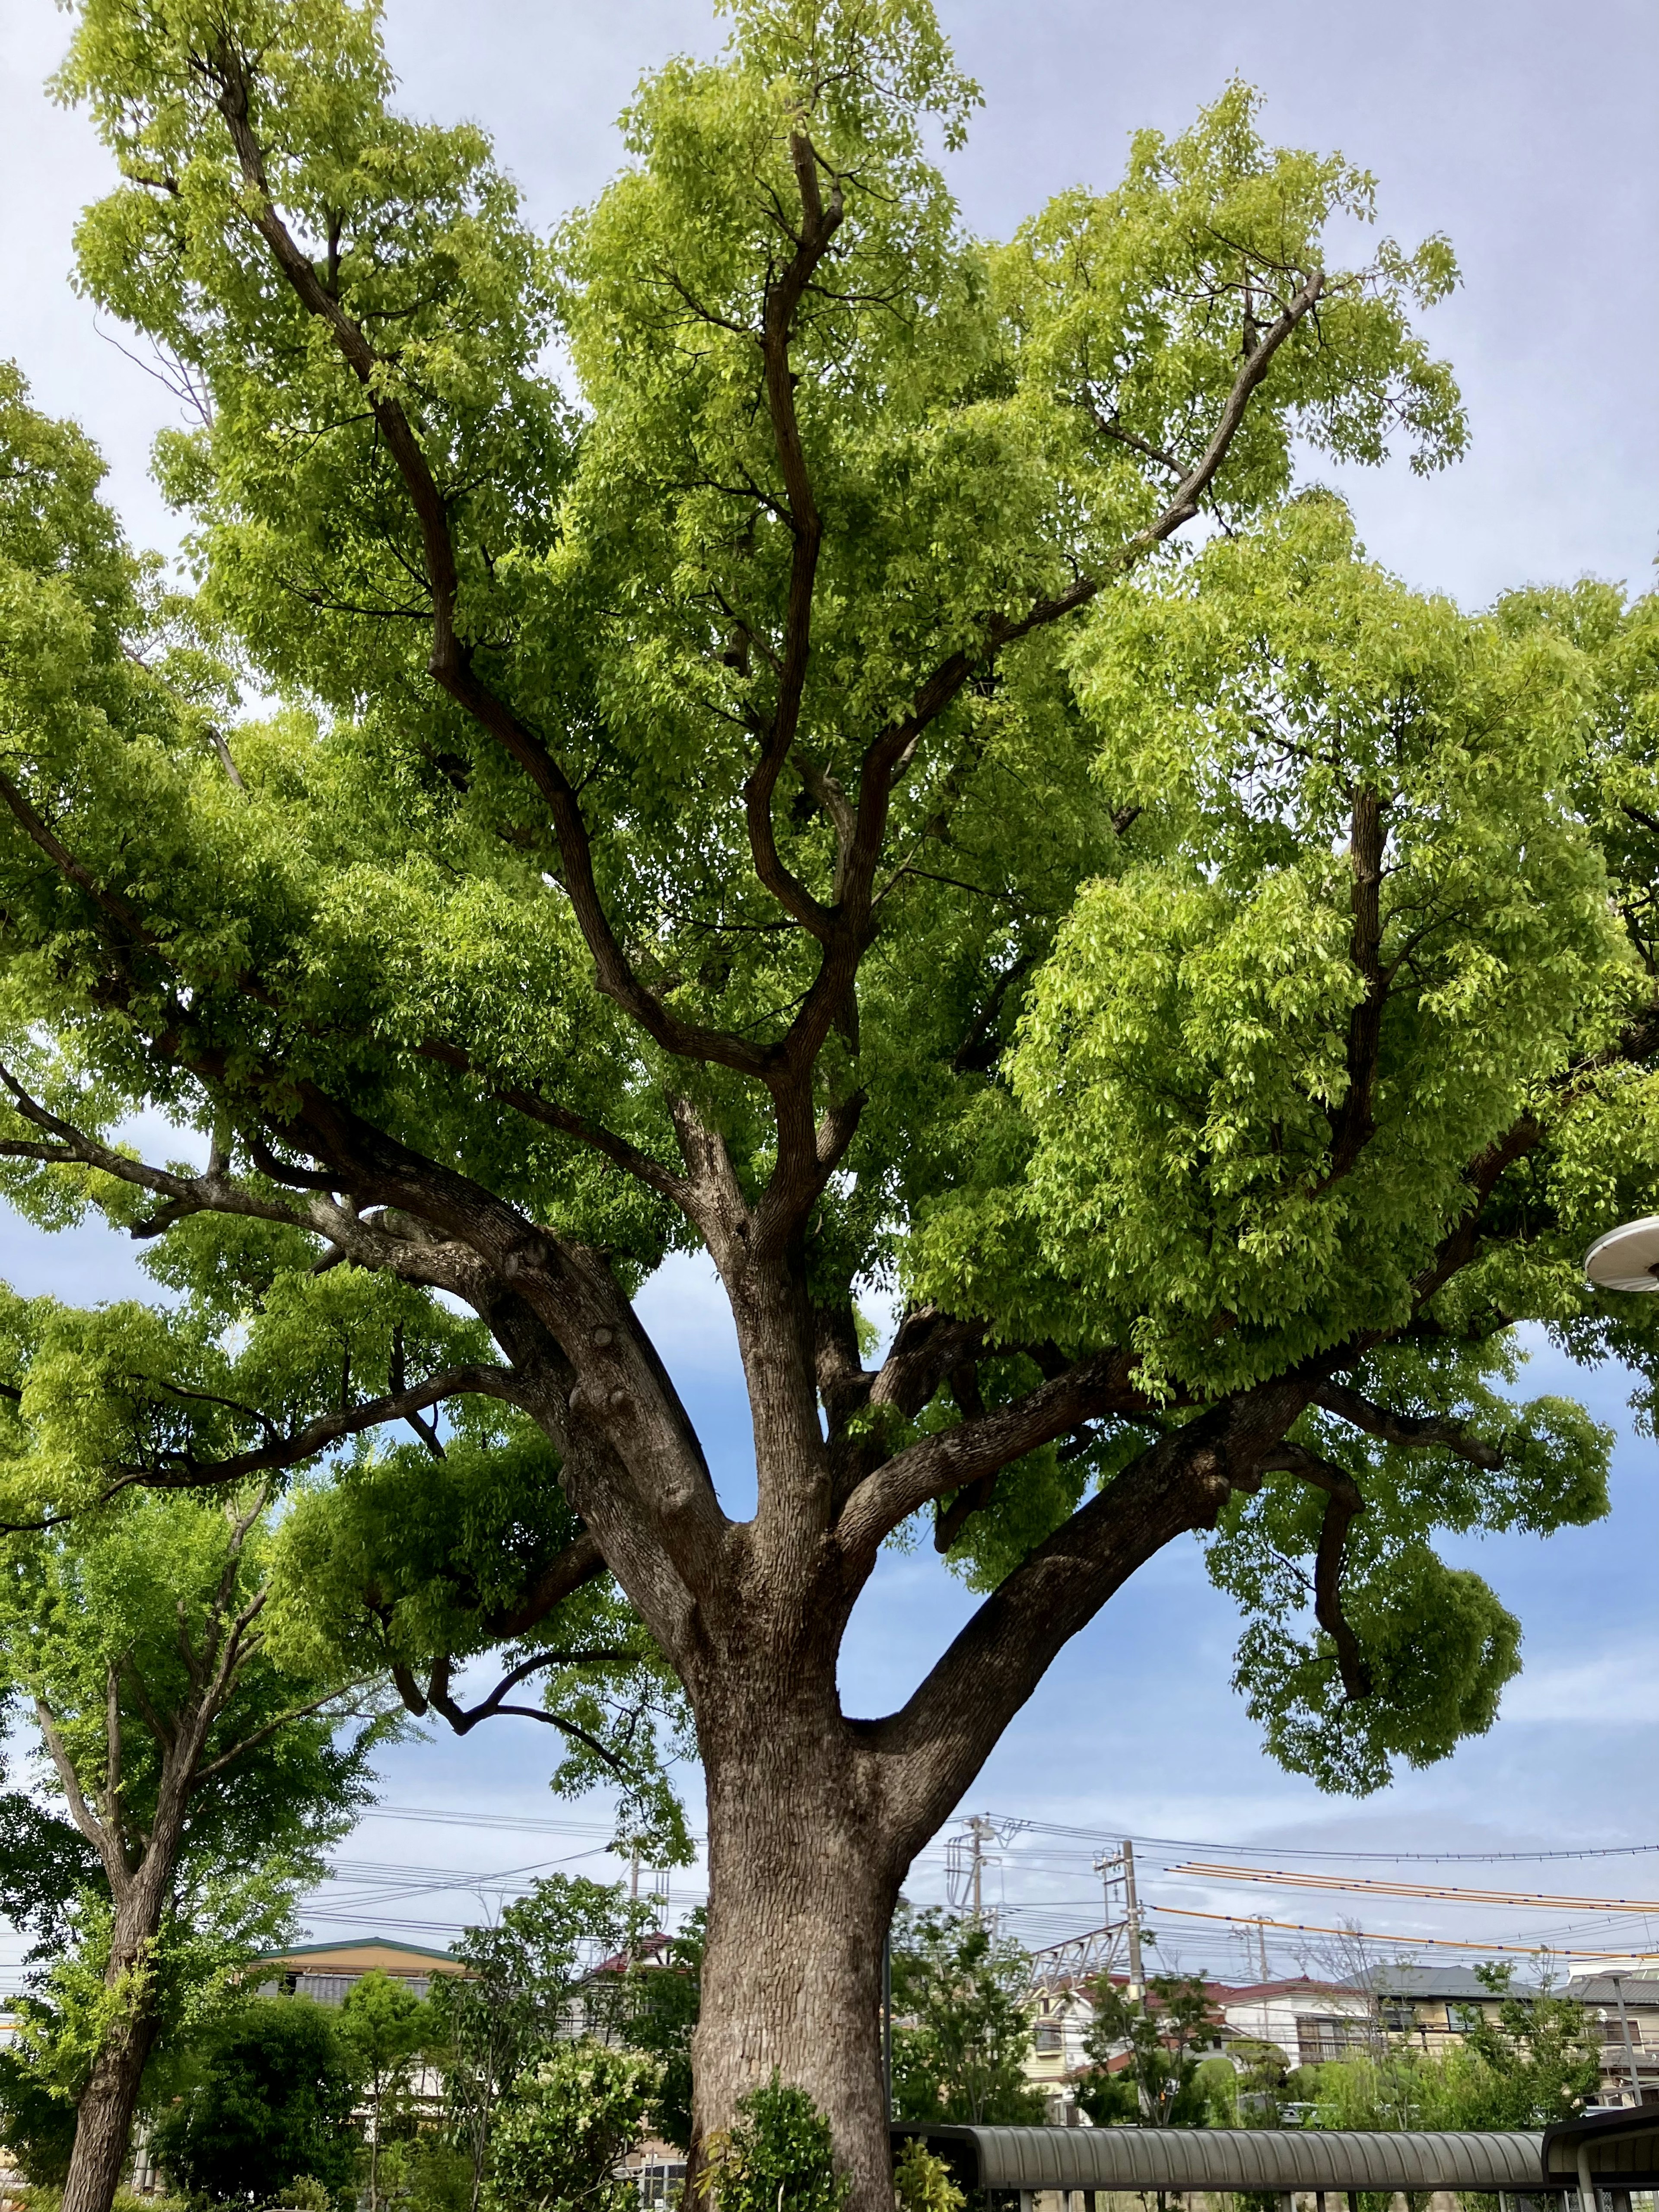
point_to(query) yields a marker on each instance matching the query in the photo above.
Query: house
(1625, 2009)
(1431, 2007)
(326, 1971)
(1310, 2021)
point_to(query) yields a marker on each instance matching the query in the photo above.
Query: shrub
(270, 2102)
(565, 2125)
(923, 2183)
(777, 2157)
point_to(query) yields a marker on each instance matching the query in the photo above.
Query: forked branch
(1343, 1506)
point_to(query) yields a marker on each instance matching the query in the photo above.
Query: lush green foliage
(777, 2151)
(271, 2098)
(962, 2034)
(527, 1972)
(1533, 2059)
(921, 2182)
(744, 764)
(565, 2125)
(1163, 2033)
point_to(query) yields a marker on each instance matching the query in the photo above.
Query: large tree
(751, 770)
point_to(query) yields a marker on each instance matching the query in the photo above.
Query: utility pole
(980, 1830)
(1131, 1915)
(1261, 1939)
(1618, 1981)
(1113, 1867)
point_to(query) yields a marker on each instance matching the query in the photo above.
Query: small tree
(207, 1776)
(565, 2125)
(520, 1989)
(271, 2097)
(385, 2026)
(1541, 2057)
(962, 2032)
(1162, 2035)
(663, 2001)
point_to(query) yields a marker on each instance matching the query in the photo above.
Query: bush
(923, 2183)
(270, 2102)
(566, 2123)
(778, 2153)
(37, 2125)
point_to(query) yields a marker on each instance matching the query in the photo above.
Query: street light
(1626, 1258)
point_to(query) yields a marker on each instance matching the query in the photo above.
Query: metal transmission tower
(1083, 1957)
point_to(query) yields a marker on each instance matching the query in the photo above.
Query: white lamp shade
(1625, 1258)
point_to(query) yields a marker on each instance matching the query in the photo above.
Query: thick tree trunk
(103, 2130)
(103, 2127)
(801, 1894)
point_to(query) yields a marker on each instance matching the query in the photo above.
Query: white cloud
(1617, 1688)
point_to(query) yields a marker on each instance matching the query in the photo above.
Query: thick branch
(1415, 1432)
(953, 1459)
(1343, 1506)
(937, 1740)
(1354, 1122)
(580, 1563)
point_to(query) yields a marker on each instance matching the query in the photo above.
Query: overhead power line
(1309, 1852)
(1374, 1887)
(1399, 1943)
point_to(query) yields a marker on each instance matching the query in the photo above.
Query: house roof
(363, 1954)
(1428, 1982)
(1602, 1990)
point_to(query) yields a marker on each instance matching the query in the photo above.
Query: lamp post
(1626, 1258)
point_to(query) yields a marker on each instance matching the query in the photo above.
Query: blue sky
(1522, 129)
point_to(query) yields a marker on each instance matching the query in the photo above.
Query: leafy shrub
(923, 2183)
(564, 2126)
(777, 2157)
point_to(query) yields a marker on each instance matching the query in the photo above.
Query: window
(1319, 2040)
(1050, 2038)
(1399, 2014)
(1461, 2018)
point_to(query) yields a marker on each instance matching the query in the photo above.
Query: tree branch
(954, 1459)
(450, 663)
(934, 1745)
(1414, 1431)
(1343, 1506)
(184, 1471)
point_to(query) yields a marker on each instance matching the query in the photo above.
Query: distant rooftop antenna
(1626, 1258)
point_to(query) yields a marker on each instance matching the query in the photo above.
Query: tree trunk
(103, 2127)
(801, 1892)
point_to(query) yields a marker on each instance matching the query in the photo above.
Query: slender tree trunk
(103, 2128)
(801, 1894)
